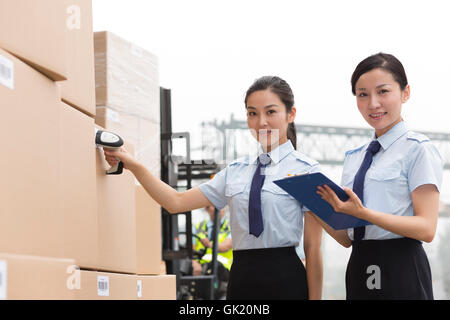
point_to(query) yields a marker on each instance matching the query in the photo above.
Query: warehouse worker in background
(266, 223)
(204, 233)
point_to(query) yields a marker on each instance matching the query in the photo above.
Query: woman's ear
(406, 93)
(291, 114)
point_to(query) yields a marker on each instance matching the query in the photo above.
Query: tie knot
(264, 159)
(374, 147)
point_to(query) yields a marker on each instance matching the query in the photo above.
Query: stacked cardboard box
(127, 95)
(78, 91)
(127, 100)
(29, 189)
(29, 277)
(129, 238)
(34, 31)
(129, 222)
(96, 285)
(78, 187)
(61, 216)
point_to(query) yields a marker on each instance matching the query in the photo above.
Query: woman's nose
(373, 102)
(262, 121)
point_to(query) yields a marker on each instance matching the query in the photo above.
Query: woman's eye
(383, 91)
(271, 111)
(362, 94)
(251, 113)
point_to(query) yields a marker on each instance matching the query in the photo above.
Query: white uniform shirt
(282, 214)
(406, 160)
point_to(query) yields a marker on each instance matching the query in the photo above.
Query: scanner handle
(117, 169)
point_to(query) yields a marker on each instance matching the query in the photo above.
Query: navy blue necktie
(255, 219)
(358, 184)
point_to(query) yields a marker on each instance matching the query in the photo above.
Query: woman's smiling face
(267, 118)
(379, 99)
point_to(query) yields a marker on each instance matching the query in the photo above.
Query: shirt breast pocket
(274, 196)
(235, 189)
(388, 184)
(272, 188)
(385, 174)
(237, 195)
(237, 199)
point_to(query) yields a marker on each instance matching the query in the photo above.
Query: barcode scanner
(111, 141)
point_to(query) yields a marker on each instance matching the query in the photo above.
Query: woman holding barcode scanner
(266, 222)
(394, 183)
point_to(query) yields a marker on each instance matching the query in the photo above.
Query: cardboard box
(126, 77)
(35, 32)
(48, 193)
(144, 134)
(30, 217)
(162, 287)
(106, 286)
(148, 233)
(116, 218)
(129, 223)
(95, 285)
(128, 94)
(163, 269)
(25, 277)
(79, 88)
(79, 187)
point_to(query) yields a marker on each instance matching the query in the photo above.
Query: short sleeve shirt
(406, 160)
(282, 214)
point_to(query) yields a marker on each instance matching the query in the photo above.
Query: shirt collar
(387, 139)
(276, 155)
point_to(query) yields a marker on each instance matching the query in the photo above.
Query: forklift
(178, 254)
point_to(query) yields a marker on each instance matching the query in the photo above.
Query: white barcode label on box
(6, 72)
(103, 286)
(3, 279)
(139, 288)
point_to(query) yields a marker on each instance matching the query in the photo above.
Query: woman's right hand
(113, 157)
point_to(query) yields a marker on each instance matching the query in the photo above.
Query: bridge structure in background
(326, 144)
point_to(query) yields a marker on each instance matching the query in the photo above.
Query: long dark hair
(282, 89)
(383, 61)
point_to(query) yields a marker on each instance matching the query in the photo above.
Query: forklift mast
(173, 170)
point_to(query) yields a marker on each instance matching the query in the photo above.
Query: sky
(210, 52)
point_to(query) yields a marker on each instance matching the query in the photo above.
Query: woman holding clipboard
(394, 183)
(266, 222)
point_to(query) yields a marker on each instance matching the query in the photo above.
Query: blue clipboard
(304, 188)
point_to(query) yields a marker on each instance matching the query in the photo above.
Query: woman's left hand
(353, 206)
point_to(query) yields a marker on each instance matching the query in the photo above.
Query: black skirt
(388, 269)
(261, 274)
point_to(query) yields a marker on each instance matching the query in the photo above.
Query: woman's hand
(353, 206)
(114, 156)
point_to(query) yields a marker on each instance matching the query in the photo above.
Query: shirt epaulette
(239, 161)
(420, 137)
(353, 150)
(303, 158)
